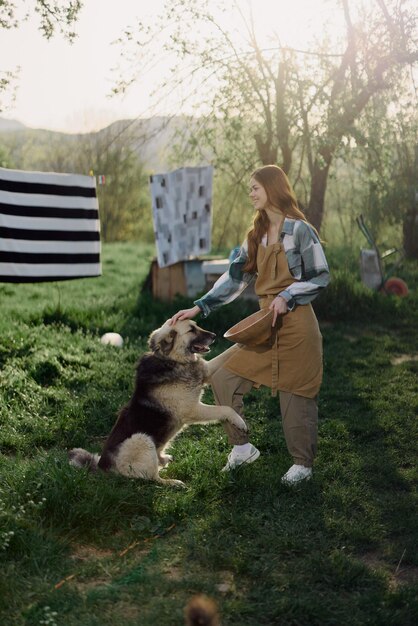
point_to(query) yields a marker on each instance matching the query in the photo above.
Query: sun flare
(288, 24)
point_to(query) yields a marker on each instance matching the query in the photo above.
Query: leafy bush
(347, 299)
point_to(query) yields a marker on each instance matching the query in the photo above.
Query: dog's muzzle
(201, 344)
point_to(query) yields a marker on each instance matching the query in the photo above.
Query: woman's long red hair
(280, 195)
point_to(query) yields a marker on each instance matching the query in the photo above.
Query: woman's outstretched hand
(185, 314)
(279, 307)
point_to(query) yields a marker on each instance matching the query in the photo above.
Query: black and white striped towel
(49, 226)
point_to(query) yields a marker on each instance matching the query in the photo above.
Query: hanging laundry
(181, 209)
(49, 226)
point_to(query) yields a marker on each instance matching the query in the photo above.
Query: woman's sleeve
(313, 269)
(228, 286)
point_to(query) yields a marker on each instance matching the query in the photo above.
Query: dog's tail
(201, 611)
(79, 457)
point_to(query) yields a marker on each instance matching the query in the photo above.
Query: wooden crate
(189, 278)
(184, 278)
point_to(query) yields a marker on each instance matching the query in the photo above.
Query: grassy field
(86, 549)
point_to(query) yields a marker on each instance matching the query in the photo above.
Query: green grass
(92, 549)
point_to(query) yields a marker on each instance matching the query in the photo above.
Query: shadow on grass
(365, 449)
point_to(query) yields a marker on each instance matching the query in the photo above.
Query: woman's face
(258, 195)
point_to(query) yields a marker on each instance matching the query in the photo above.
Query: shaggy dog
(166, 398)
(201, 611)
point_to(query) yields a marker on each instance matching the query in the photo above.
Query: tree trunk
(286, 159)
(319, 179)
(267, 150)
(410, 232)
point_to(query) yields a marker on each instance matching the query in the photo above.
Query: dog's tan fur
(201, 611)
(169, 386)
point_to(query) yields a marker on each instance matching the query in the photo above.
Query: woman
(284, 255)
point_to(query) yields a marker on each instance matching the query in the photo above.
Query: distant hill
(150, 138)
(7, 126)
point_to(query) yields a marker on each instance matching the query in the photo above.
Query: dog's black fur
(143, 413)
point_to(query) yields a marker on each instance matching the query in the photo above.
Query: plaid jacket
(307, 264)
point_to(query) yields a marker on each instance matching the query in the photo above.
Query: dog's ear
(167, 342)
(152, 341)
(164, 344)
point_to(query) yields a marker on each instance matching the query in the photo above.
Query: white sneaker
(236, 459)
(297, 473)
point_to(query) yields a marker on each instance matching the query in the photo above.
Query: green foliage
(124, 199)
(346, 299)
(81, 548)
(4, 157)
(125, 205)
(53, 15)
(378, 165)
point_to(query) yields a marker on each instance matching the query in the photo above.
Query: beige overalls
(299, 351)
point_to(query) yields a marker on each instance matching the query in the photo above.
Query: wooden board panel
(168, 281)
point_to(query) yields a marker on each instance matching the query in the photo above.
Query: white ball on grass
(112, 339)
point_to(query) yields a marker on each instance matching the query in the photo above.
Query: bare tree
(275, 104)
(379, 45)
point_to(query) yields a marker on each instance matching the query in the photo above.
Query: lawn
(90, 549)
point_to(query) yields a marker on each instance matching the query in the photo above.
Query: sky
(66, 87)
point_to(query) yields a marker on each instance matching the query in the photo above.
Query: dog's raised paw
(240, 425)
